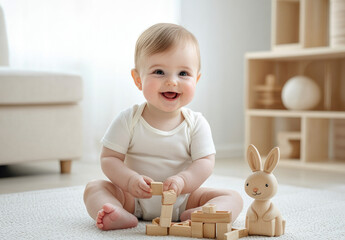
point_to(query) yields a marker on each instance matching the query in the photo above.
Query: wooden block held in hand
(169, 197)
(209, 230)
(155, 230)
(157, 188)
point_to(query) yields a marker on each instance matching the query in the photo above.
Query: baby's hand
(139, 186)
(175, 183)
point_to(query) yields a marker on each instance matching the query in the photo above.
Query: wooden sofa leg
(65, 166)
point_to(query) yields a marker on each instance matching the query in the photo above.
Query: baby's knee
(234, 197)
(237, 198)
(95, 186)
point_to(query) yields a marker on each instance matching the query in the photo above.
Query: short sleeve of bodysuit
(117, 136)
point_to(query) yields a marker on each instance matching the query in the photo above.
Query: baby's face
(169, 78)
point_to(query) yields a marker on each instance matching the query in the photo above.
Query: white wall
(226, 29)
(96, 40)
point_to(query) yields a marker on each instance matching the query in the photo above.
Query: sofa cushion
(33, 87)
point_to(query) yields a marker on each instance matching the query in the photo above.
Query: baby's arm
(191, 179)
(114, 168)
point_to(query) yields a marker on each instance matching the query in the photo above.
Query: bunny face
(261, 185)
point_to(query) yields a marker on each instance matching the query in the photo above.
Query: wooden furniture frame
(323, 64)
(299, 23)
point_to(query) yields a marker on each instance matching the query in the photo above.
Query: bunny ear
(254, 159)
(272, 160)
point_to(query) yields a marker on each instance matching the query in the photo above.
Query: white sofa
(40, 114)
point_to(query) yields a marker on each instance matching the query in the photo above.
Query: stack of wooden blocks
(207, 223)
(160, 226)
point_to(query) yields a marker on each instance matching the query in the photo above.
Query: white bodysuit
(159, 154)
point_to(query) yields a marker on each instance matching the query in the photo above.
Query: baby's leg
(224, 199)
(111, 207)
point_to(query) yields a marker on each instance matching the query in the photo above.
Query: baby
(159, 140)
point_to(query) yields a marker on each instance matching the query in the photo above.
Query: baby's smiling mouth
(170, 95)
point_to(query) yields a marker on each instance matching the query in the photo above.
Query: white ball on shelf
(301, 93)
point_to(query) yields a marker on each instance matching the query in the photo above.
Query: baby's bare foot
(111, 217)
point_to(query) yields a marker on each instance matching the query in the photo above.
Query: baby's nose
(255, 190)
(171, 82)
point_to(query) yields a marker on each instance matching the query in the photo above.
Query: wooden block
(242, 232)
(166, 211)
(180, 230)
(155, 221)
(197, 229)
(157, 188)
(222, 228)
(184, 223)
(218, 217)
(209, 208)
(209, 230)
(165, 222)
(169, 197)
(156, 230)
(233, 235)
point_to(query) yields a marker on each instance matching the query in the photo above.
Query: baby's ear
(136, 78)
(198, 77)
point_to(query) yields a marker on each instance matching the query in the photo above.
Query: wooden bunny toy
(263, 218)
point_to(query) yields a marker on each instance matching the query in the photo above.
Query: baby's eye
(158, 72)
(183, 73)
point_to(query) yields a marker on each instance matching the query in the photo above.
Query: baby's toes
(99, 225)
(100, 214)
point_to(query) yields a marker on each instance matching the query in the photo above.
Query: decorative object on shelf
(337, 23)
(263, 218)
(289, 144)
(269, 94)
(339, 139)
(301, 93)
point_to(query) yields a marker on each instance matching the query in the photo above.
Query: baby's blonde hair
(161, 37)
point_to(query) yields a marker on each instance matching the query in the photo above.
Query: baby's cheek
(150, 90)
(189, 91)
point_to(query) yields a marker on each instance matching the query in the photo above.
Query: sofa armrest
(35, 87)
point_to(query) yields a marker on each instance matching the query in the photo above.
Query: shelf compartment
(300, 24)
(289, 144)
(316, 142)
(286, 19)
(263, 131)
(328, 74)
(338, 139)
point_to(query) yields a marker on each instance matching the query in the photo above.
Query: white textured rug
(60, 214)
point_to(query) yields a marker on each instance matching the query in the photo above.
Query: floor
(44, 175)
